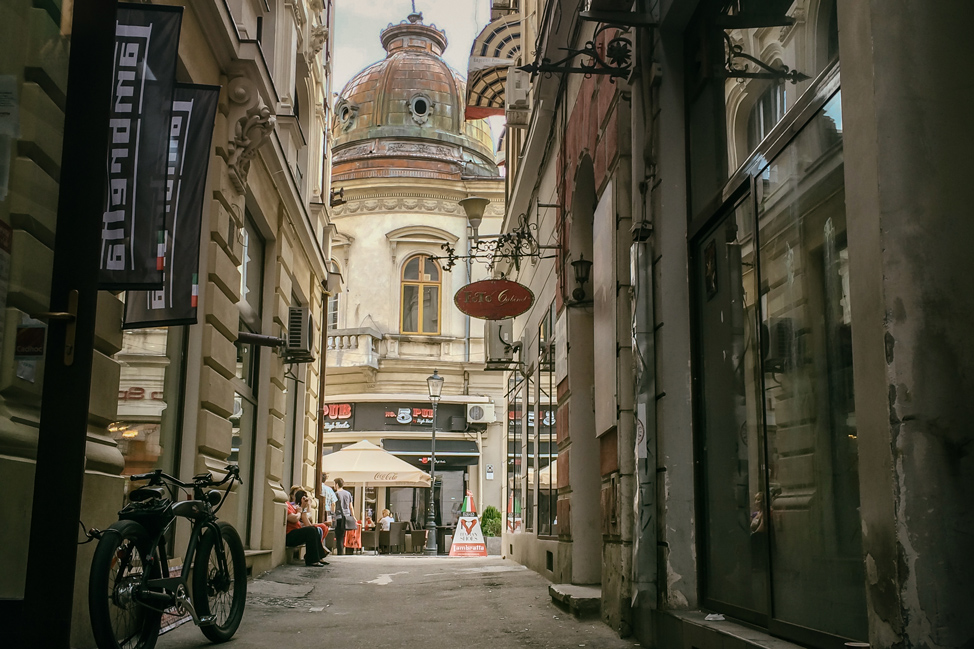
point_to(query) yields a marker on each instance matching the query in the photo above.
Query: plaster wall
(677, 585)
(907, 132)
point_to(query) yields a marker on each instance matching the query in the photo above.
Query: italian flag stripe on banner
(196, 290)
(161, 251)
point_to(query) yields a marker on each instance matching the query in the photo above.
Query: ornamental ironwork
(513, 246)
(615, 61)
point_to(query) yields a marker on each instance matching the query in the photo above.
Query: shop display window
(776, 418)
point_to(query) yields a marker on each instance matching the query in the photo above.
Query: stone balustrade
(353, 347)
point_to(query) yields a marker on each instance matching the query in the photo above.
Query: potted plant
(490, 525)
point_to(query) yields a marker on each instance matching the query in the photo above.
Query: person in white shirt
(330, 499)
(386, 520)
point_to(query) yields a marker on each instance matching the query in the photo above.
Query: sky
(358, 23)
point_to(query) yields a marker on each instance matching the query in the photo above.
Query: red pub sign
(494, 299)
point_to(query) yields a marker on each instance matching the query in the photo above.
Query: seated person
(323, 527)
(386, 520)
(300, 531)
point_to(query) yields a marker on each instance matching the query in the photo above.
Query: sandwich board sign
(468, 539)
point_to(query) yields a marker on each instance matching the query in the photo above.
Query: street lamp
(435, 385)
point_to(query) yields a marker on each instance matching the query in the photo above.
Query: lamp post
(435, 385)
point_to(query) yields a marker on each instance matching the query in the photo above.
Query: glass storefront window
(149, 396)
(813, 480)
(515, 455)
(545, 448)
(730, 416)
(776, 412)
(744, 72)
(244, 426)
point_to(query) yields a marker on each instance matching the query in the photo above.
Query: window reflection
(152, 362)
(810, 409)
(747, 63)
(737, 524)
(515, 454)
(546, 446)
(777, 411)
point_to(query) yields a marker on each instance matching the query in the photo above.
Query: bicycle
(130, 586)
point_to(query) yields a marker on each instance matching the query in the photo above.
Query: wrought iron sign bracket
(615, 63)
(768, 72)
(514, 246)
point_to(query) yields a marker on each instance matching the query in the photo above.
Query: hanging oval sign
(494, 299)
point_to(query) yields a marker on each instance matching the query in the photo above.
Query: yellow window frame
(421, 284)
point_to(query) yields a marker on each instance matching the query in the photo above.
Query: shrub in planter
(490, 521)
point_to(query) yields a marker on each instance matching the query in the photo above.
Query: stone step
(581, 601)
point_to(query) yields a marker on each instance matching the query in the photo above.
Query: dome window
(346, 114)
(421, 107)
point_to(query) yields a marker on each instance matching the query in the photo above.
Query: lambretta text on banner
(146, 42)
(190, 135)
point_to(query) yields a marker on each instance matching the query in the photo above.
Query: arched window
(420, 296)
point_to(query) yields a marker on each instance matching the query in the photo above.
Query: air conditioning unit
(499, 337)
(517, 94)
(297, 347)
(480, 413)
(501, 5)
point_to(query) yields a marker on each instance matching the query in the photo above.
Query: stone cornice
(408, 203)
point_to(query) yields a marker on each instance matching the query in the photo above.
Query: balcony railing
(353, 347)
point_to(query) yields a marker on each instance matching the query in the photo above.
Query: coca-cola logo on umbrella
(494, 299)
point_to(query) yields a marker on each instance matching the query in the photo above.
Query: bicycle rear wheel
(118, 621)
(218, 592)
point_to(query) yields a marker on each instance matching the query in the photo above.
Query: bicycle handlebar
(205, 480)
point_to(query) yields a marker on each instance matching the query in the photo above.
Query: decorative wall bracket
(319, 35)
(736, 52)
(513, 246)
(616, 62)
(252, 122)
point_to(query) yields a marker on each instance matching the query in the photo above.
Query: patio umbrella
(366, 464)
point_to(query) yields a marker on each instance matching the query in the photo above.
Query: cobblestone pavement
(404, 601)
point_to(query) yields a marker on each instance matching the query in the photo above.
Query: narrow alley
(396, 601)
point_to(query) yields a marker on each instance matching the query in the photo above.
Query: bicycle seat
(145, 493)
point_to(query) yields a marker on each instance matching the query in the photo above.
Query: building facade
(185, 399)
(758, 393)
(403, 159)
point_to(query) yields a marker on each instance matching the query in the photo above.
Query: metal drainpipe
(466, 318)
(320, 443)
(644, 566)
(480, 473)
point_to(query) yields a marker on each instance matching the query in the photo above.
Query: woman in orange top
(300, 531)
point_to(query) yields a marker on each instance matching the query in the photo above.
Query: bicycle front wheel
(220, 592)
(118, 568)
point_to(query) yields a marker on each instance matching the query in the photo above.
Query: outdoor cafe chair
(370, 541)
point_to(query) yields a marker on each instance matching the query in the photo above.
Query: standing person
(300, 531)
(344, 518)
(330, 499)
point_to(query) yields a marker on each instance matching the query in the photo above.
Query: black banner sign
(407, 416)
(132, 236)
(338, 416)
(190, 135)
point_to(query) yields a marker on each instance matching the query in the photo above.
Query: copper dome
(403, 116)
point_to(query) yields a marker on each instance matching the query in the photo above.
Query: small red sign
(494, 299)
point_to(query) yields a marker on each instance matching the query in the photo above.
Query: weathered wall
(909, 200)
